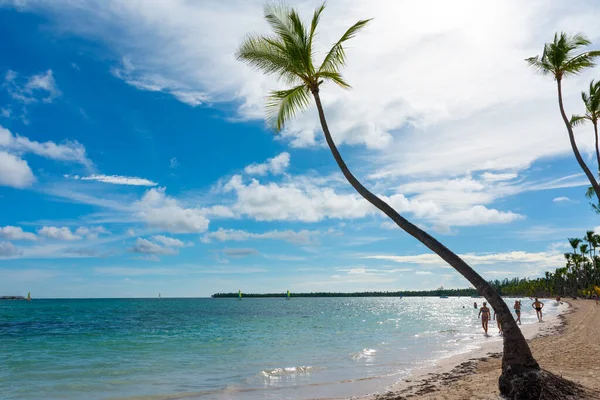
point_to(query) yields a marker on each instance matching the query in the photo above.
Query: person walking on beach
(475, 305)
(517, 308)
(538, 305)
(497, 321)
(484, 313)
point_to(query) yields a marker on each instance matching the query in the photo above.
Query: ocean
(268, 348)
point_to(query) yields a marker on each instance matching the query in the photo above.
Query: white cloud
(91, 233)
(115, 179)
(276, 165)
(300, 200)
(53, 232)
(170, 242)
(14, 171)
(16, 233)
(163, 212)
(160, 54)
(528, 263)
(147, 247)
(561, 199)
(38, 87)
(297, 237)
(7, 249)
(69, 151)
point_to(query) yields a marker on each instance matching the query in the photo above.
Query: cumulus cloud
(276, 165)
(68, 151)
(298, 200)
(7, 249)
(147, 247)
(115, 179)
(91, 232)
(56, 233)
(14, 171)
(16, 233)
(163, 212)
(169, 241)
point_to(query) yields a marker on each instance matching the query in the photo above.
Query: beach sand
(568, 346)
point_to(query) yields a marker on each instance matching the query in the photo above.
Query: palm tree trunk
(584, 167)
(597, 150)
(517, 357)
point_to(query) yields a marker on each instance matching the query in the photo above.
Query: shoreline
(474, 374)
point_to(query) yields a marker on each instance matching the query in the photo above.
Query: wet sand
(568, 346)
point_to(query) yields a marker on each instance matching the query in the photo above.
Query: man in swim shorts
(538, 305)
(484, 313)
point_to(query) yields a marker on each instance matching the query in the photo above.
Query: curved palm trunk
(584, 167)
(597, 150)
(517, 357)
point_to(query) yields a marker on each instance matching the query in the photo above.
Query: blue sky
(134, 159)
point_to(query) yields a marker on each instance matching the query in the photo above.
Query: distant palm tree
(591, 100)
(288, 53)
(590, 238)
(574, 242)
(559, 60)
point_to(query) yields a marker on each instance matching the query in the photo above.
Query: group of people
(484, 313)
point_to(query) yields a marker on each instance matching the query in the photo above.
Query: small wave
(365, 353)
(278, 372)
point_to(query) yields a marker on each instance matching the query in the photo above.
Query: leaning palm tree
(288, 53)
(591, 100)
(558, 59)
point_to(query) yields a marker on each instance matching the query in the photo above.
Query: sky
(134, 157)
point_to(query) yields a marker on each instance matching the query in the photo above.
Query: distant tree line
(437, 292)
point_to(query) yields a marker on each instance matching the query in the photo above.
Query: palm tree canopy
(574, 242)
(591, 100)
(559, 58)
(288, 53)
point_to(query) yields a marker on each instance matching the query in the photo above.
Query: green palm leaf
(283, 105)
(336, 57)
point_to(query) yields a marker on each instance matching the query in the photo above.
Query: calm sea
(227, 349)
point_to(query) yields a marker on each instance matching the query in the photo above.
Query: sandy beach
(568, 346)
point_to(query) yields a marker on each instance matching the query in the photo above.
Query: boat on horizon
(28, 298)
(239, 295)
(288, 296)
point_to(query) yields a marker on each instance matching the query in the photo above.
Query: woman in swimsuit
(517, 307)
(538, 305)
(484, 313)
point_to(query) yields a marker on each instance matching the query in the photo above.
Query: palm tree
(591, 240)
(558, 59)
(574, 242)
(288, 53)
(591, 101)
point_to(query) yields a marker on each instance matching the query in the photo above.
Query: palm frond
(336, 57)
(335, 77)
(589, 193)
(283, 105)
(578, 120)
(268, 55)
(580, 62)
(313, 27)
(540, 65)
(292, 33)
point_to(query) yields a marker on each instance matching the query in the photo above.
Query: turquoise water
(227, 349)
